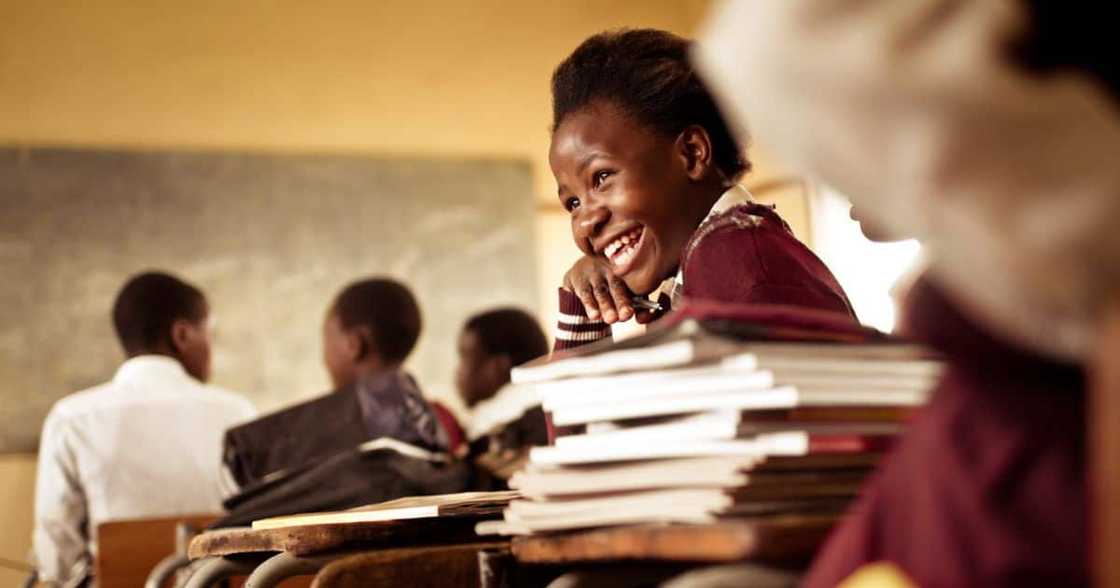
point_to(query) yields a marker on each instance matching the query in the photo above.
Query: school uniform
(987, 487)
(742, 252)
(146, 444)
(389, 404)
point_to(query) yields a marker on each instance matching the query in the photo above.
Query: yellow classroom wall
(387, 77)
(17, 487)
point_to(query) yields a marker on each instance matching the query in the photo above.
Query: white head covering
(913, 109)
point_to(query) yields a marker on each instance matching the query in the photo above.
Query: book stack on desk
(695, 422)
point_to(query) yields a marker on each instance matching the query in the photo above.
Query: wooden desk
(415, 551)
(416, 567)
(786, 539)
(306, 550)
(313, 539)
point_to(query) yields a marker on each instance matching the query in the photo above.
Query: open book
(463, 504)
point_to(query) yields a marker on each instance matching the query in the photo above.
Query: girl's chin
(642, 285)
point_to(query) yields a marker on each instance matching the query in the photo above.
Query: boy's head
(156, 313)
(372, 325)
(490, 345)
(639, 150)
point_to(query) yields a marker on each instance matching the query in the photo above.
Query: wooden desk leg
(1104, 453)
(495, 568)
(282, 566)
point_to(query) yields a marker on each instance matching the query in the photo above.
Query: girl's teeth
(624, 257)
(622, 249)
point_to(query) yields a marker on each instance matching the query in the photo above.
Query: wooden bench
(128, 550)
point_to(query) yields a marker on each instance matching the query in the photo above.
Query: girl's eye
(600, 177)
(571, 204)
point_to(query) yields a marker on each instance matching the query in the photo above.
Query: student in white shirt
(145, 444)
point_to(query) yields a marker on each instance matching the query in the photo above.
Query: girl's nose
(588, 223)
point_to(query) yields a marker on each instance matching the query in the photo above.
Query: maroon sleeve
(746, 259)
(851, 545)
(573, 327)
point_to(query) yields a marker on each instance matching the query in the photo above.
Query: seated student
(647, 168)
(145, 444)
(370, 329)
(491, 344)
(988, 130)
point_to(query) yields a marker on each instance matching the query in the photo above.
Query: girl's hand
(603, 294)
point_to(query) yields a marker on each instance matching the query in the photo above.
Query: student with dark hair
(648, 169)
(369, 331)
(145, 444)
(370, 328)
(490, 345)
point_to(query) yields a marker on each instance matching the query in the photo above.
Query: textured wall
(270, 238)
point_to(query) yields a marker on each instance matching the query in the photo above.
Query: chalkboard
(270, 238)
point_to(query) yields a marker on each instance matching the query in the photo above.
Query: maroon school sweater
(746, 254)
(987, 488)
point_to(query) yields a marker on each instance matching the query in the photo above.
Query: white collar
(143, 367)
(734, 196)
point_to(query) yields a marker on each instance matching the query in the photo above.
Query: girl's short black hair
(388, 309)
(647, 74)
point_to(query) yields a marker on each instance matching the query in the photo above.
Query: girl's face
(629, 191)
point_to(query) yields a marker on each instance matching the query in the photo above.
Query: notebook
(464, 504)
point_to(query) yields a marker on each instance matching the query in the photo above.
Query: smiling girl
(647, 168)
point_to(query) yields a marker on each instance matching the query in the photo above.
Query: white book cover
(511, 401)
(768, 399)
(671, 350)
(786, 443)
(412, 507)
(704, 472)
(651, 385)
(715, 426)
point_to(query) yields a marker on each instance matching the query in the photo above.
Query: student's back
(382, 405)
(370, 329)
(145, 444)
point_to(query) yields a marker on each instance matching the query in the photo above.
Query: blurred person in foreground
(988, 130)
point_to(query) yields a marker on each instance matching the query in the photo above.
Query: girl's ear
(694, 147)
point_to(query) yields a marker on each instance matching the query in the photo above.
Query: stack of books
(706, 419)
